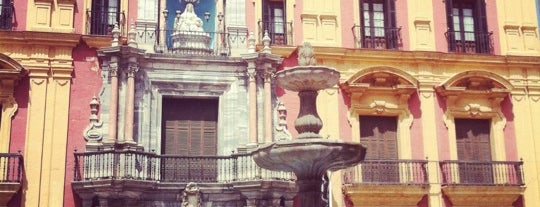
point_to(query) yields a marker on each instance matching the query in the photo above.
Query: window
(473, 144)
(378, 24)
(467, 26)
(379, 135)
(6, 14)
(274, 21)
(103, 16)
(189, 128)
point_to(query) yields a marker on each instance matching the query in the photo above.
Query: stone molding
(483, 196)
(385, 195)
(382, 91)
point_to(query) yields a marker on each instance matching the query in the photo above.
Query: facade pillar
(113, 107)
(130, 100)
(252, 92)
(427, 98)
(268, 107)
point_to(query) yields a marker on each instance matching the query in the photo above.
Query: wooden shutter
(390, 14)
(379, 134)
(473, 139)
(190, 127)
(480, 18)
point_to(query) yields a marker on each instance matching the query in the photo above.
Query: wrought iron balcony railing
(103, 22)
(377, 37)
(400, 172)
(469, 42)
(11, 165)
(482, 173)
(280, 33)
(137, 165)
(6, 15)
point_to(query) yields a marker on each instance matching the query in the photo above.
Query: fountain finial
(306, 55)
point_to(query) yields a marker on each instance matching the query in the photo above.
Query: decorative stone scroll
(93, 133)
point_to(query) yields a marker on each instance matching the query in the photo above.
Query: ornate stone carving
(266, 43)
(132, 70)
(282, 133)
(306, 55)
(251, 43)
(113, 69)
(93, 133)
(191, 197)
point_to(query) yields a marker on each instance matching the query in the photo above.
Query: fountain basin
(307, 78)
(309, 158)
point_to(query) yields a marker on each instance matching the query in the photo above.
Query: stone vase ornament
(309, 156)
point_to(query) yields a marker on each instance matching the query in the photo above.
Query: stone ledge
(385, 195)
(480, 196)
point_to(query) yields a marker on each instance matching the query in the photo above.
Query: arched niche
(10, 72)
(382, 91)
(476, 95)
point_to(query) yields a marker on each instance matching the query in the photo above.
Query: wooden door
(474, 149)
(379, 135)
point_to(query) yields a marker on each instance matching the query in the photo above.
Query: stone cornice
(39, 38)
(366, 55)
(97, 41)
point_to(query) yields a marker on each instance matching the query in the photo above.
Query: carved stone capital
(113, 69)
(132, 70)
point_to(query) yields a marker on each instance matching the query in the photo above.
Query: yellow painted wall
(47, 57)
(518, 27)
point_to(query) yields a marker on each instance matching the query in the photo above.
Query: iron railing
(138, 165)
(484, 173)
(103, 22)
(280, 33)
(401, 172)
(11, 166)
(6, 15)
(469, 42)
(377, 37)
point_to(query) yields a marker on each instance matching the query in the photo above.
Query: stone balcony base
(366, 195)
(483, 196)
(7, 190)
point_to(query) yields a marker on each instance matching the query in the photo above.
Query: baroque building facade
(157, 102)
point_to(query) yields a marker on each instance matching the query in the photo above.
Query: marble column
(130, 101)
(113, 107)
(252, 91)
(268, 107)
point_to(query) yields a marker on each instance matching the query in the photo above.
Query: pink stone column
(252, 90)
(113, 107)
(267, 107)
(130, 103)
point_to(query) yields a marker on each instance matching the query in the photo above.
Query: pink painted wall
(251, 22)
(290, 98)
(347, 22)
(509, 130)
(79, 13)
(439, 25)
(402, 21)
(417, 141)
(492, 21)
(132, 13)
(18, 128)
(345, 128)
(20, 15)
(442, 131)
(86, 83)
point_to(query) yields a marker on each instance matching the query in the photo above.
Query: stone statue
(305, 55)
(189, 21)
(191, 197)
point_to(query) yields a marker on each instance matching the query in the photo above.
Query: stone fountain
(309, 156)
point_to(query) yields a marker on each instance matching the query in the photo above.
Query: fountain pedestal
(308, 156)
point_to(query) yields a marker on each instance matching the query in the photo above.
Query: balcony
(474, 181)
(469, 42)
(233, 177)
(377, 37)
(6, 16)
(103, 22)
(188, 42)
(386, 182)
(280, 33)
(11, 166)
